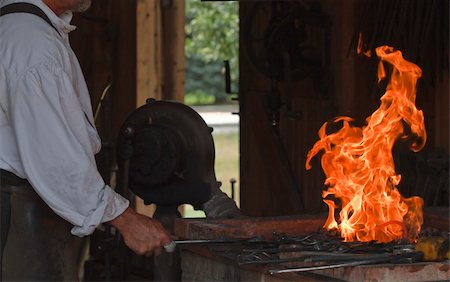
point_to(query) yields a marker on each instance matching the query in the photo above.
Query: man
(47, 148)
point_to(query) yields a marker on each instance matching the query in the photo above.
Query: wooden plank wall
(273, 181)
(105, 43)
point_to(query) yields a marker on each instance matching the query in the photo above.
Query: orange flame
(359, 166)
(360, 47)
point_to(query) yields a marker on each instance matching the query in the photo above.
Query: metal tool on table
(271, 245)
(397, 258)
(202, 242)
(310, 251)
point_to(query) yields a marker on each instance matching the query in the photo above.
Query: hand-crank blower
(165, 154)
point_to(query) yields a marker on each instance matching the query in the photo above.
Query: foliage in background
(212, 36)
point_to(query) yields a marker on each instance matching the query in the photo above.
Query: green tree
(212, 35)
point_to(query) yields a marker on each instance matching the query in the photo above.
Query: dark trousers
(36, 244)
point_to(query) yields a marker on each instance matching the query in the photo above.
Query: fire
(359, 167)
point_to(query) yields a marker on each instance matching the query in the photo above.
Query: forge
(265, 260)
(371, 233)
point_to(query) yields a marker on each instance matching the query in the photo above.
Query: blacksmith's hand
(142, 234)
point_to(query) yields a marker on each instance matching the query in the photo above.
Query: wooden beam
(172, 14)
(148, 51)
(160, 50)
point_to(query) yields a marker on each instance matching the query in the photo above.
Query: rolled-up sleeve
(56, 149)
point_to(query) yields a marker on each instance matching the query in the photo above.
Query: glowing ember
(359, 166)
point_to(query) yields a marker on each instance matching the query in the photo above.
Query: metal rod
(202, 242)
(170, 247)
(373, 260)
(320, 267)
(233, 182)
(257, 259)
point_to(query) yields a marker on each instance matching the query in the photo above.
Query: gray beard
(82, 6)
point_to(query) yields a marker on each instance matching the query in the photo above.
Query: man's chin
(83, 6)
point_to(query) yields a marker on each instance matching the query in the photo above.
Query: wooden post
(148, 51)
(160, 50)
(172, 15)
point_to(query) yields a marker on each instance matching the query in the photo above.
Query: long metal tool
(264, 258)
(374, 260)
(321, 267)
(172, 245)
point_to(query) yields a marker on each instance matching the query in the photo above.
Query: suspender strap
(26, 8)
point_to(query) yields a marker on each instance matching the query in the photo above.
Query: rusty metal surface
(247, 227)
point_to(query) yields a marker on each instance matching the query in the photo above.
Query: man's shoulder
(27, 39)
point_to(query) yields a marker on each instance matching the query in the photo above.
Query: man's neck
(56, 6)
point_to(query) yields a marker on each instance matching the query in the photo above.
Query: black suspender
(26, 8)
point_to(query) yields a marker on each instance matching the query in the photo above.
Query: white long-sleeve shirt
(46, 123)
